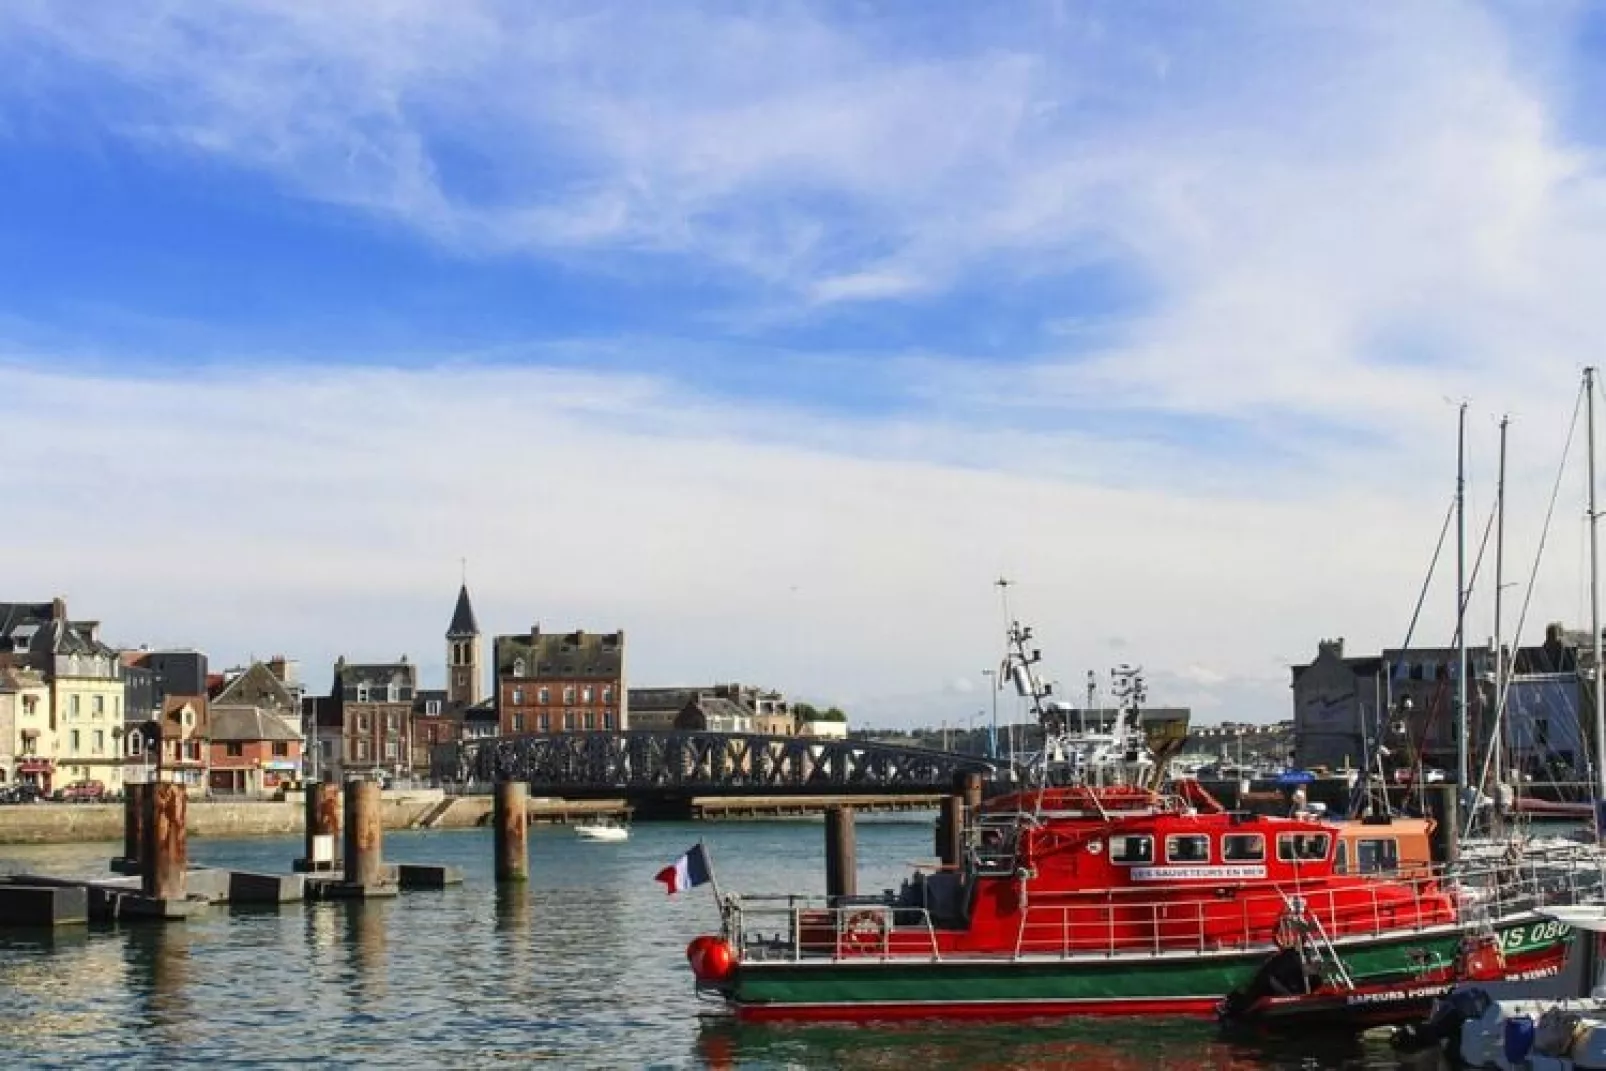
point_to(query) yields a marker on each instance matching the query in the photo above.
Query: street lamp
(992, 737)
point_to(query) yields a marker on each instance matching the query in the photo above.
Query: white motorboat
(603, 829)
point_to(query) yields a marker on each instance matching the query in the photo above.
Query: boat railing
(1139, 921)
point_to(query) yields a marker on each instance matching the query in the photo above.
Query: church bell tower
(464, 681)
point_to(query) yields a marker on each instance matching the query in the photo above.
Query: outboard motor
(1445, 1022)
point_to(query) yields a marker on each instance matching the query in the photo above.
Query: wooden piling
(164, 855)
(511, 822)
(364, 850)
(136, 804)
(841, 865)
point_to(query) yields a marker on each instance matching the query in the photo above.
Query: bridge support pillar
(1443, 806)
(136, 809)
(321, 809)
(968, 787)
(841, 855)
(511, 822)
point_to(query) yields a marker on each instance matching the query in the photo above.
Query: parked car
(22, 792)
(81, 790)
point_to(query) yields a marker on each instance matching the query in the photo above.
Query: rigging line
(1416, 614)
(1539, 552)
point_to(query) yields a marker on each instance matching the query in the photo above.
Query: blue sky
(773, 333)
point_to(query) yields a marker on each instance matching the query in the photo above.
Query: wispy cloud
(1320, 230)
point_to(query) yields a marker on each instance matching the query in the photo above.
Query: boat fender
(1095, 846)
(712, 959)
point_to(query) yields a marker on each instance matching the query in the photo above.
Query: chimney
(58, 609)
(276, 666)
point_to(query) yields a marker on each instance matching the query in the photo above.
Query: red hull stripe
(862, 1011)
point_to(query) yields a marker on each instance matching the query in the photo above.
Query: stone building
(86, 687)
(561, 682)
(374, 710)
(743, 707)
(465, 681)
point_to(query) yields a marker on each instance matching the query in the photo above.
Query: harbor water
(584, 967)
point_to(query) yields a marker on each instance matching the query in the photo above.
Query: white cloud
(1328, 240)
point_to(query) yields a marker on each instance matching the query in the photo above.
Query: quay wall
(60, 823)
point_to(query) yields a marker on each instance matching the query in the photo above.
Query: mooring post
(164, 855)
(322, 826)
(951, 831)
(511, 821)
(841, 865)
(968, 785)
(1444, 808)
(136, 804)
(364, 853)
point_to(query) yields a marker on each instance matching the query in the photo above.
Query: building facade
(561, 682)
(27, 732)
(254, 751)
(375, 711)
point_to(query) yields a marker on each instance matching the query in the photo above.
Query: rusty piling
(322, 826)
(841, 864)
(164, 855)
(511, 818)
(968, 787)
(136, 805)
(364, 850)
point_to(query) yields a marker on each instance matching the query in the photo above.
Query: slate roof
(402, 673)
(704, 709)
(572, 655)
(463, 625)
(239, 724)
(483, 711)
(258, 680)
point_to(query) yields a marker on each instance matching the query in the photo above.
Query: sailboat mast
(1497, 729)
(1463, 777)
(1594, 595)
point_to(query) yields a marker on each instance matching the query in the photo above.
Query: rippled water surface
(584, 967)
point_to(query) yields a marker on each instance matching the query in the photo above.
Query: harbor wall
(61, 823)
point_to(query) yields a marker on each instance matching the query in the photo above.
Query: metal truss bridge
(644, 765)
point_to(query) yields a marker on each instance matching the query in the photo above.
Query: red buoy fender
(712, 959)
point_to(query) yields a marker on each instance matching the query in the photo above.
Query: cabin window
(1187, 848)
(1302, 847)
(1375, 856)
(1131, 849)
(1243, 848)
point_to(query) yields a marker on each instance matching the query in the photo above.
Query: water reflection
(723, 1044)
(160, 974)
(365, 940)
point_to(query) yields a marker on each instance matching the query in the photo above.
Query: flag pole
(713, 880)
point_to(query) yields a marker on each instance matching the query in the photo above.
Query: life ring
(863, 931)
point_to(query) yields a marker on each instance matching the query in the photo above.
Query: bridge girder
(708, 764)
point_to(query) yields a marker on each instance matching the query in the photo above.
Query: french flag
(687, 872)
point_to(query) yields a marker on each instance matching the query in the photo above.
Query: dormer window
(362, 693)
(390, 693)
(518, 667)
(432, 707)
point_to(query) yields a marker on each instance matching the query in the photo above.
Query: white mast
(1498, 728)
(1462, 771)
(1594, 597)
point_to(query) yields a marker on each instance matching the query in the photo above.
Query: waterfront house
(374, 709)
(27, 730)
(561, 682)
(254, 750)
(755, 710)
(86, 687)
(273, 685)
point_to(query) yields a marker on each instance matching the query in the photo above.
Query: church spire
(463, 624)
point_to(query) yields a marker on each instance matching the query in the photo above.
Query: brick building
(373, 707)
(561, 682)
(253, 750)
